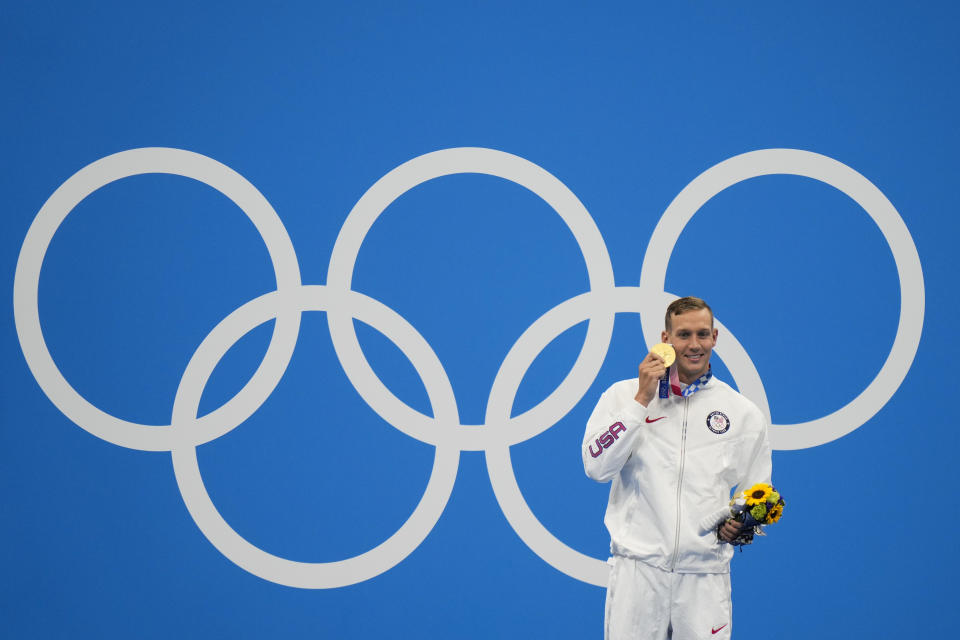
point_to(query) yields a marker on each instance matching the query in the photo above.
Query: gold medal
(666, 352)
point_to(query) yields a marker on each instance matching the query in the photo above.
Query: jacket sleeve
(612, 432)
(756, 467)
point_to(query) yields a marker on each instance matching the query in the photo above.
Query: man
(674, 450)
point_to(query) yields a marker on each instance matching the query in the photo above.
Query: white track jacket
(673, 465)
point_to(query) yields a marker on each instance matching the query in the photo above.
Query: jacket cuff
(710, 521)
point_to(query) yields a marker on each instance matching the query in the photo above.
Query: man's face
(693, 337)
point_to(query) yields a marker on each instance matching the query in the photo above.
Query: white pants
(645, 603)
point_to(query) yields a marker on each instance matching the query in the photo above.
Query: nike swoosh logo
(654, 420)
(713, 631)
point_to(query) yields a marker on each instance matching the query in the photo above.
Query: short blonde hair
(682, 305)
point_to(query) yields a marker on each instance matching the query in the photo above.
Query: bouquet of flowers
(762, 505)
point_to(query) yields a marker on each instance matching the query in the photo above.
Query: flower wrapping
(762, 504)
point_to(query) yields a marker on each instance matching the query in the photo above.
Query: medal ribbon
(672, 383)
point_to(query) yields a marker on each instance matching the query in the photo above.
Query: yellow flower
(775, 512)
(757, 493)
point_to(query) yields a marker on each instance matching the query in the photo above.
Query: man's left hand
(730, 530)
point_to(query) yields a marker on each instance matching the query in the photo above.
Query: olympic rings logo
(444, 430)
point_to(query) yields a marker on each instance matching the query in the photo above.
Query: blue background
(313, 102)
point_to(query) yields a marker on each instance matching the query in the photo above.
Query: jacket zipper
(683, 459)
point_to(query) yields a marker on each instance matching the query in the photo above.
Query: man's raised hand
(651, 370)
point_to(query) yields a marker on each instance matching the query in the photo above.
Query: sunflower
(775, 512)
(757, 493)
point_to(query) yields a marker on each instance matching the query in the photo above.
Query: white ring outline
(27, 281)
(340, 275)
(909, 271)
(313, 575)
(500, 430)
